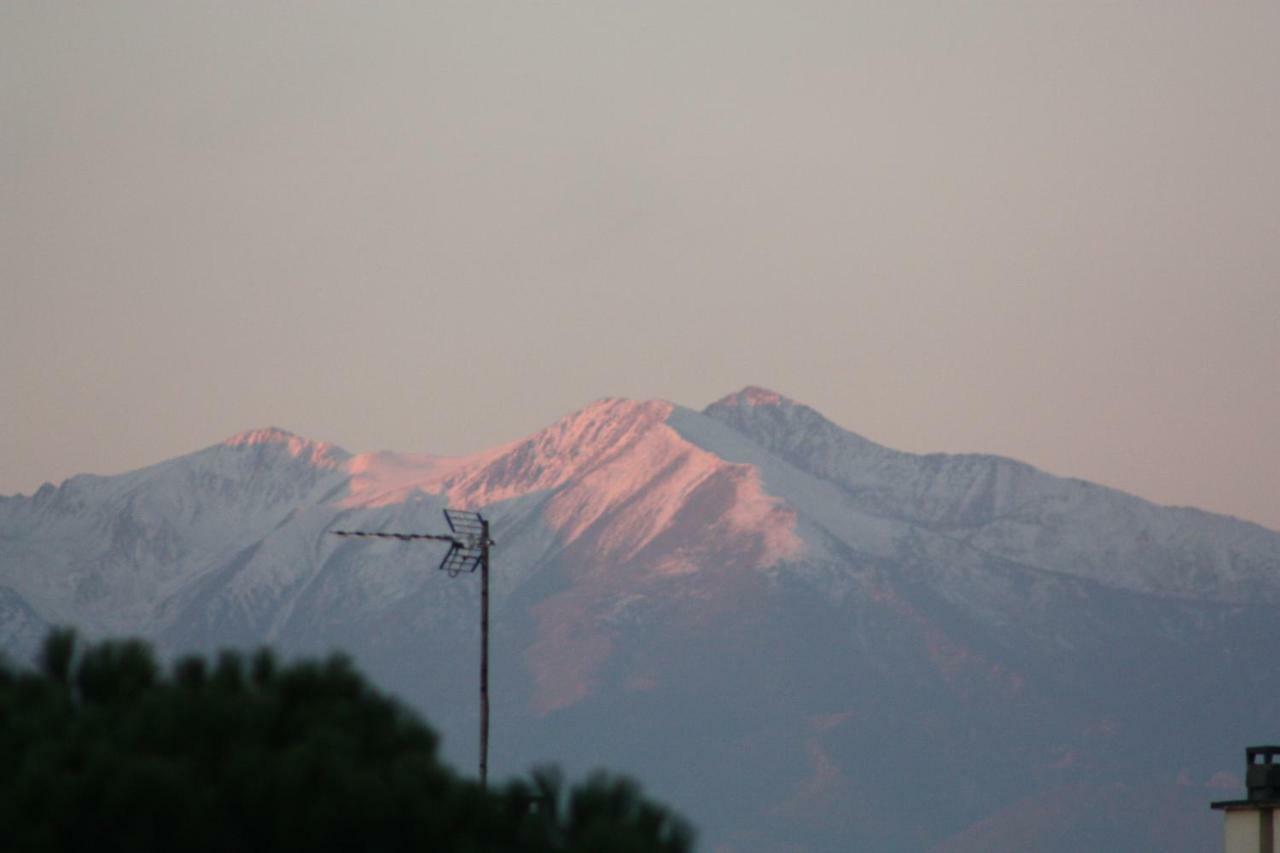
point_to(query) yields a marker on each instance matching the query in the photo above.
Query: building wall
(1242, 832)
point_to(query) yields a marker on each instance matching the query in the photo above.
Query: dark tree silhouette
(101, 750)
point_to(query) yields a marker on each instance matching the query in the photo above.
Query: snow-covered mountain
(804, 639)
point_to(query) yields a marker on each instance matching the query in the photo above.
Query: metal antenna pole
(468, 550)
(484, 654)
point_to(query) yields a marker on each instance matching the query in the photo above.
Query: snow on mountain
(710, 600)
(1010, 510)
(104, 551)
(21, 628)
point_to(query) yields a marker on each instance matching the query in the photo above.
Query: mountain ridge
(707, 599)
(749, 397)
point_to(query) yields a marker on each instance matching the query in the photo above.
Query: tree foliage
(101, 750)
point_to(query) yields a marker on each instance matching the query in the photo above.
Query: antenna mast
(469, 545)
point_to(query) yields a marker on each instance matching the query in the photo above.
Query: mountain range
(802, 639)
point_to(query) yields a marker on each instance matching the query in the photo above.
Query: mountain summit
(795, 633)
(754, 395)
(319, 454)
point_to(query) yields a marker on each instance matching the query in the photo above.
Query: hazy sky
(1049, 230)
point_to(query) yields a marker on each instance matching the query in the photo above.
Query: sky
(1047, 230)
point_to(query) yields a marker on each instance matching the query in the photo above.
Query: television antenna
(469, 545)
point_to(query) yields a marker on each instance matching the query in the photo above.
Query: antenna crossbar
(403, 537)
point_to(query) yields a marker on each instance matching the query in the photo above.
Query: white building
(1250, 825)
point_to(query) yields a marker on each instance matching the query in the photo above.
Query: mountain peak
(562, 451)
(316, 452)
(754, 395)
(784, 426)
(263, 435)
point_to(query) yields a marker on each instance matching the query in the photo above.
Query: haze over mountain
(801, 638)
